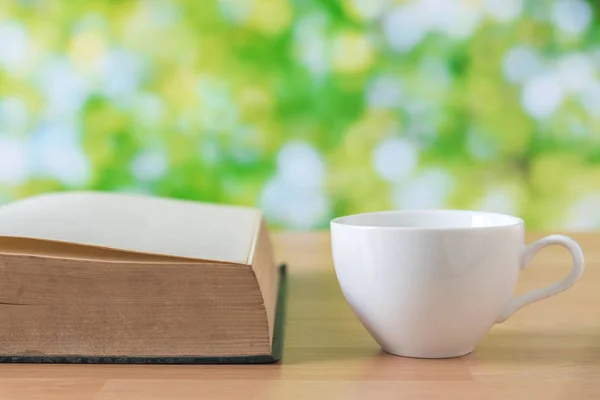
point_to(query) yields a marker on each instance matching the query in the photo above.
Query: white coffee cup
(431, 284)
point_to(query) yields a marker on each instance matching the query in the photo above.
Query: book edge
(255, 237)
(161, 258)
(275, 356)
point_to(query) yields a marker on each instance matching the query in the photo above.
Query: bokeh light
(308, 110)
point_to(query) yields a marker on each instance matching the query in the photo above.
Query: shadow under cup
(428, 284)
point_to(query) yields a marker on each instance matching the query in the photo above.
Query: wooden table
(549, 350)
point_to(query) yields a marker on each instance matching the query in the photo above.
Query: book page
(136, 223)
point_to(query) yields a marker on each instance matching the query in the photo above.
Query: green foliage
(200, 99)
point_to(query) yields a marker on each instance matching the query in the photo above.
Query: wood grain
(549, 350)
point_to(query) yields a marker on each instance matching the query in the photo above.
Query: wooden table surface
(548, 350)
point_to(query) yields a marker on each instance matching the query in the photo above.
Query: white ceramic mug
(431, 284)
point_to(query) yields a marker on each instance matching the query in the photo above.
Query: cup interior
(428, 219)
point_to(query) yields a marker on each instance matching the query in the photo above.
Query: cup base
(417, 354)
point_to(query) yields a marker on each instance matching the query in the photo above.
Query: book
(93, 277)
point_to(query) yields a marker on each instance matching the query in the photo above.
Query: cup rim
(346, 220)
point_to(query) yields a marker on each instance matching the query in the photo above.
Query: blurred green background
(308, 109)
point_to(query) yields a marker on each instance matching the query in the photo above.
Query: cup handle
(539, 294)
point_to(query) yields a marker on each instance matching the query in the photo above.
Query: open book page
(136, 223)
